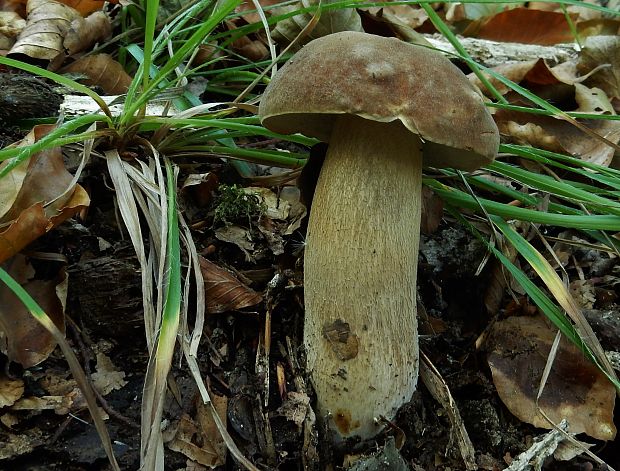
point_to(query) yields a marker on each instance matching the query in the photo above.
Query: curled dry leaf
(251, 48)
(331, 21)
(602, 50)
(40, 197)
(47, 23)
(85, 32)
(224, 292)
(11, 24)
(535, 75)
(248, 9)
(54, 29)
(22, 338)
(101, 70)
(575, 389)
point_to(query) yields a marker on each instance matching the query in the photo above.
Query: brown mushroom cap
(383, 79)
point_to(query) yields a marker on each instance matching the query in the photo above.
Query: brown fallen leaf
(39, 197)
(224, 292)
(602, 50)
(85, 32)
(22, 338)
(523, 25)
(101, 70)
(575, 390)
(85, 7)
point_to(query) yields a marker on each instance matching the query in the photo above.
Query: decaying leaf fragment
(10, 390)
(224, 292)
(575, 390)
(198, 438)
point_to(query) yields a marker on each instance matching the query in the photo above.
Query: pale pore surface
(360, 268)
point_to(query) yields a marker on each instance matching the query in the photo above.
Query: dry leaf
(200, 439)
(522, 25)
(11, 24)
(85, 7)
(224, 292)
(46, 25)
(85, 32)
(22, 338)
(248, 10)
(575, 390)
(54, 29)
(101, 70)
(331, 21)
(10, 390)
(602, 50)
(107, 377)
(560, 136)
(40, 200)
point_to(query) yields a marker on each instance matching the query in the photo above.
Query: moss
(233, 204)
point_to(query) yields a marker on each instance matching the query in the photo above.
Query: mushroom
(386, 108)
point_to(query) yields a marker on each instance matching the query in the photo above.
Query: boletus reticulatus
(386, 108)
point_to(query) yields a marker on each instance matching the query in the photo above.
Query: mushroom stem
(360, 329)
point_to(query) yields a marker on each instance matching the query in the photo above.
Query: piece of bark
(109, 292)
(25, 96)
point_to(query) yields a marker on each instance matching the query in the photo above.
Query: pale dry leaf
(21, 443)
(46, 25)
(10, 390)
(592, 100)
(9, 420)
(224, 292)
(107, 377)
(560, 136)
(575, 390)
(295, 407)
(11, 24)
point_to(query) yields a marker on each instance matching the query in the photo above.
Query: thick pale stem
(361, 257)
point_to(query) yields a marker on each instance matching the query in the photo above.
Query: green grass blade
(461, 199)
